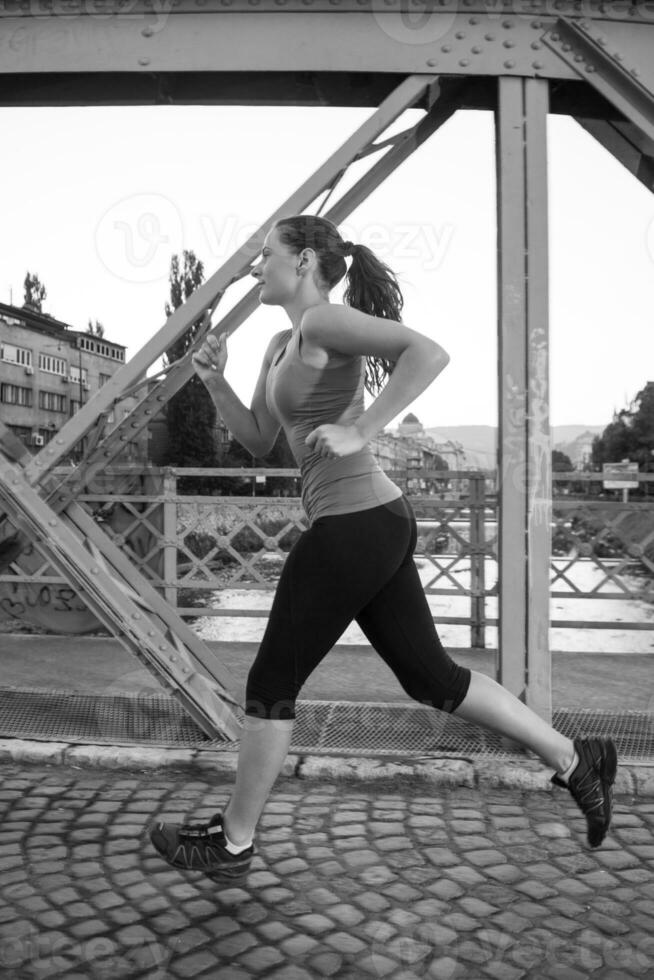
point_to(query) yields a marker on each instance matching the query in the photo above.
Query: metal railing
(196, 546)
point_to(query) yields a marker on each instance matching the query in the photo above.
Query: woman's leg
(331, 572)
(489, 704)
(399, 624)
(264, 746)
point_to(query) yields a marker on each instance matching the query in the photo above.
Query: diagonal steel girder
(407, 93)
(120, 598)
(620, 84)
(626, 143)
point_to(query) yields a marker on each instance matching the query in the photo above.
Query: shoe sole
(608, 769)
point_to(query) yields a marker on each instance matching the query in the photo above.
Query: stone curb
(634, 779)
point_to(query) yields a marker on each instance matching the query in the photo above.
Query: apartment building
(48, 370)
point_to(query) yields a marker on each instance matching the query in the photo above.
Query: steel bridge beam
(524, 446)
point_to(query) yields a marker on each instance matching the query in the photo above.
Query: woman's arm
(418, 360)
(254, 427)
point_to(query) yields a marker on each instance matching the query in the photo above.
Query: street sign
(616, 473)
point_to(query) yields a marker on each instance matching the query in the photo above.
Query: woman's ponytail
(372, 288)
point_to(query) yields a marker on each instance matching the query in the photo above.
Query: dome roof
(410, 418)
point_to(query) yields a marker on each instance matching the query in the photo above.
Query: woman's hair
(371, 285)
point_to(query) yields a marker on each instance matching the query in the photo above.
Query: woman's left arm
(418, 361)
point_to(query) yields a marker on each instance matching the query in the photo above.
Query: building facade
(48, 370)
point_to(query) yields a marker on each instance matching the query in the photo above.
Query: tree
(97, 330)
(630, 435)
(560, 462)
(35, 292)
(191, 414)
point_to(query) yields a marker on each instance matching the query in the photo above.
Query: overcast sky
(95, 200)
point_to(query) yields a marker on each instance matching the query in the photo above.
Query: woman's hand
(210, 360)
(335, 440)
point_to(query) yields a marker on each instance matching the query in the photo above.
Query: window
(52, 402)
(52, 365)
(15, 355)
(75, 372)
(104, 378)
(15, 395)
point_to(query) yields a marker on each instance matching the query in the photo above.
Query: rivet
(507, 23)
(15, 480)
(50, 451)
(509, 64)
(590, 68)
(555, 37)
(123, 438)
(537, 64)
(601, 40)
(151, 633)
(162, 646)
(432, 61)
(135, 425)
(59, 442)
(566, 47)
(509, 44)
(634, 72)
(474, 20)
(446, 48)
(95, 571)
(37, 462)
(107, 452)
(52, 523)
(536, 45)
(160, 398)
(584, 24)
(460, 35)
(536, 24)
(136, 615)
(618, 56)
(464, 62)
(147, 32)
(173, 659)
(144, 61)
(148, 411)
(579, 57)
(489, 37)
(477, 49)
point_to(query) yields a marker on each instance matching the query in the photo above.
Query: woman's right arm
(254, 427)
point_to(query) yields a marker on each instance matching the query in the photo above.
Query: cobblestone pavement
(393, 881)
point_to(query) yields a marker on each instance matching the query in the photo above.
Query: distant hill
(479, 441)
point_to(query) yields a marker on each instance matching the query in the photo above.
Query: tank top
(301, 397)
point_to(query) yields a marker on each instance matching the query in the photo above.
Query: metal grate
(327, 727)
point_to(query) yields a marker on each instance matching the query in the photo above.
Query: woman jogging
(355, 561)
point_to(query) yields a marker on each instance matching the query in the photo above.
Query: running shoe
(591, 784)
(200, 847)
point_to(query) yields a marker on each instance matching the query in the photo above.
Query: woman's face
(275, 271)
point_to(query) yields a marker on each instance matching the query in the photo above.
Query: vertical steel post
(477, 486)
(524, 454)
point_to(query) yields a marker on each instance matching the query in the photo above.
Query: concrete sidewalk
(98, 665)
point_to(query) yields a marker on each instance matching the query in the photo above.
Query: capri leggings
(353, 566)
